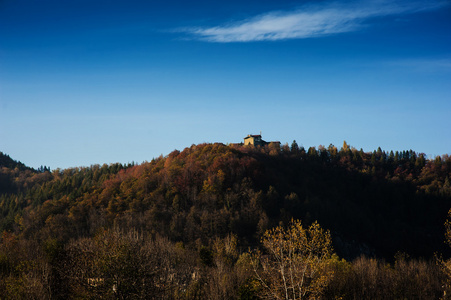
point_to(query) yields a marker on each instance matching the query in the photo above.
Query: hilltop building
(256, 140)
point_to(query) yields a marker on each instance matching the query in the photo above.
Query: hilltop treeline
(374, 203)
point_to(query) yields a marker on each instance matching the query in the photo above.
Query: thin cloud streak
(308, 21)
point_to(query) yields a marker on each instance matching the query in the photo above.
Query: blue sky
(86, 82)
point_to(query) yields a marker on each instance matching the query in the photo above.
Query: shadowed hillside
(185, 226)
(374, 203)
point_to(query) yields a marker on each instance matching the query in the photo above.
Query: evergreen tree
(294, 147)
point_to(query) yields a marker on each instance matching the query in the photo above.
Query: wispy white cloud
(309, 21)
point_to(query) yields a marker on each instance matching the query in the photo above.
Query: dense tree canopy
(374, 203)
(385, 202)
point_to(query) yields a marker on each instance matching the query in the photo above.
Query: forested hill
(8, 162)
(375, 203)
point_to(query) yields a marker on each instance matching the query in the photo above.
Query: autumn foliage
(294, 264)
(191, 205)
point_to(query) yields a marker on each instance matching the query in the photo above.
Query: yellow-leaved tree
(294, 264)
(446, 264)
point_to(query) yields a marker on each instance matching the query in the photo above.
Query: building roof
(253, 135)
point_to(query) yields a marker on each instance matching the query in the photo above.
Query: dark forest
(203, 223)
